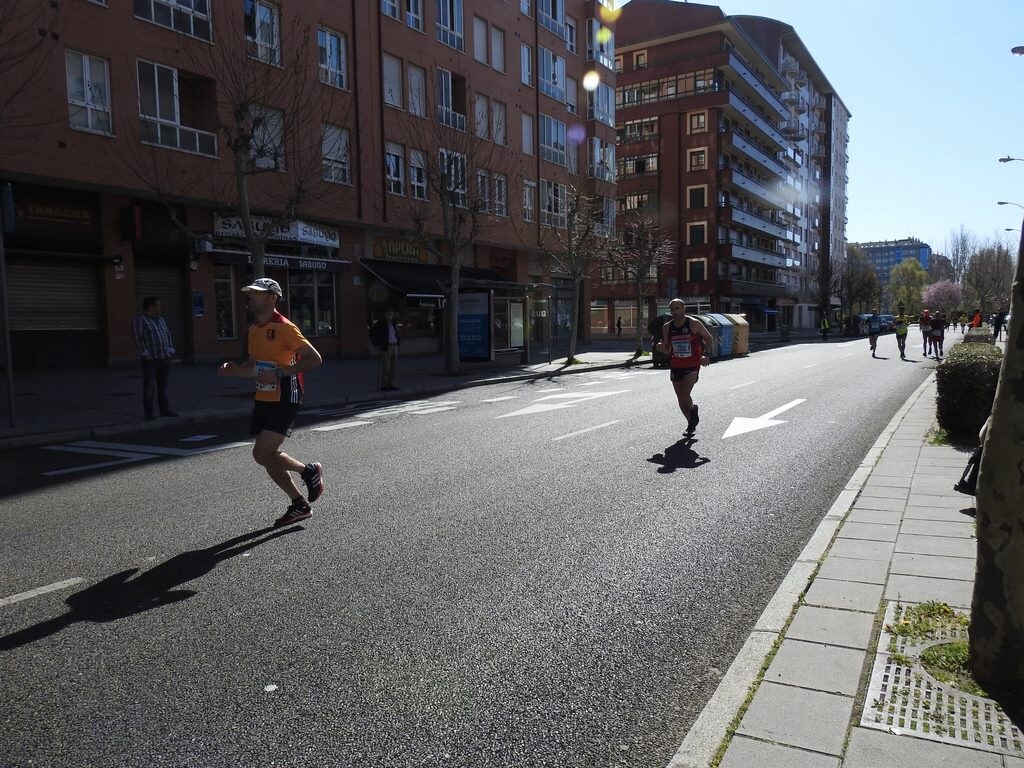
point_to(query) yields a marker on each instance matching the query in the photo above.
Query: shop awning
(431, 280)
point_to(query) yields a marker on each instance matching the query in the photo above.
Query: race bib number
(682, 349)
(261, 366)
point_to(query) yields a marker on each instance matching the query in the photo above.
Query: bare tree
(30, 32)
(989, 276)
(465, 193)
(269, 111)
(997, 608)
(858, 283)
(960, 246)
(644, 247)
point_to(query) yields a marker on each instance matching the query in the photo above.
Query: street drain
(908, 701)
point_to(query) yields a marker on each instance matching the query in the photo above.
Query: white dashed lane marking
(40, 591)
(584, 431)
(499, 399)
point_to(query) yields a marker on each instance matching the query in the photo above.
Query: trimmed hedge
(966, 381)
(982, 335)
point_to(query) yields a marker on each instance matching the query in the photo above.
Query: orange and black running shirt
(273, 346)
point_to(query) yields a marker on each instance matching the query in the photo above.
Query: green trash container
(740, 335)
(715, 329)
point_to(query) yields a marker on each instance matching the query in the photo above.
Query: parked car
(888, 322)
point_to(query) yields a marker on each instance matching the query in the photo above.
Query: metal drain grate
(907, 700)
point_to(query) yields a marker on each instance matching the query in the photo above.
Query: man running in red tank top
(685, 340)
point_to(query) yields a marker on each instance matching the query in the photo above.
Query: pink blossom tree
(942, 296)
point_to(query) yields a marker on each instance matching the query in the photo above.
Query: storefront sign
(198, 304)
(285, 262)
(398, 249)
(297, 231)
(55, 219)
(425, 302)
(475, 326)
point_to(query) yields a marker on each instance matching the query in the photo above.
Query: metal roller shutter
(47, 296)
(168, 285)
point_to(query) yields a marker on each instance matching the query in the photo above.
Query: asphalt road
(527, 574)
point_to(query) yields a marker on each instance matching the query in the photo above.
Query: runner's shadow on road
(119, 596)
(678, 456)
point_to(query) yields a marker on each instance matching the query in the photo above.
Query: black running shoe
(694, 418)
(313, 477)
(297, 510)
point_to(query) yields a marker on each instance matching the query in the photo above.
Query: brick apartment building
(126, 106)
(732, 136)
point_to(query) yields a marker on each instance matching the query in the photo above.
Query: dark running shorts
(273, 417)
(678, 374)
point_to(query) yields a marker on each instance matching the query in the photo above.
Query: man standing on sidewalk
(278, 356)
(153, 344)
(384, 336)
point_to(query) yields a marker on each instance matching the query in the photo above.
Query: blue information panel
(475, 326)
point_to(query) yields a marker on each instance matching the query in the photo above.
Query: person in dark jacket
(384, 336)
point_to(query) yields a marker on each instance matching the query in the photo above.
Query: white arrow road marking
(438, 409)
(40, 591)
(196, 438)
(499, 399)
(744, 384)
(554, 389)
(584, 431)
(342, 425)
(125, 458)
(126, 453)
(569, 400)
(812, 365)
(742, 424)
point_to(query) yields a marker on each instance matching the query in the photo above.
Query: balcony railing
(738, 287)
(451, 38)
(759, 121)
(754, 187)
(451, 118)
(752, 220)
(729, 249)
(758, 155)
(174, 136)
(756, 83)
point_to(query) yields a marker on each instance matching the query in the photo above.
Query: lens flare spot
(591, 80)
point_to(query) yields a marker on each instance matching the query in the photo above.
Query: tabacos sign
(295, 231)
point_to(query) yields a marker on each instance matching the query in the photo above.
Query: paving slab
(878, 516)
(934, 545)
(874, 749)
(849, 569)
(744, 753)
(861, 549)
(852, 595)
(932, 566)
(825, 668)
(798, 717)
(948, 529)
(892, 481)
(873, 502)
(932, 513)
(869, 531)
(921, 589)
(885, 491)
(831, 626)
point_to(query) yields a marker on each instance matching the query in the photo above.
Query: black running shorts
(273, 417)
(678, 374)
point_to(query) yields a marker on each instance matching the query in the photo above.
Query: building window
(551, 16)
(389, 8)
(483, 191)
(600, 43)
(698, 122)
(498, 122)
(191, 17)
(336, 158)
(417, 91)
(88, 94)
(333, 57)
(498, 48)
(394, 168)
(529, 200)
(697, 197)
(449, 24)
(224, 301)
(527, 134)
(602, 159)
(552, 204)
(570, 34)
(635, 201)
(455, 173)
(524, 7)
(481, 115)
(551, 74)
(414, 14)
(640, 60)
(571, 92)
(480, 39)
(160, 110)
(311, 303)
(639, 130)
(418, 174)
(696, 270)
(697, 159)
(263, 31)
(601, 104)
(552, 140)
(451, 100)
(267, 129)
(500, 194)
(639, 165)
(696, 234)
(393, 81)
(526, 63)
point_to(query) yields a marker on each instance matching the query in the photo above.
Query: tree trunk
(639, 319)
(256, 243)
(451, 361)
(997, 609)
(574, 315)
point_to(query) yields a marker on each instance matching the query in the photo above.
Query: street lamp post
(1009, 159)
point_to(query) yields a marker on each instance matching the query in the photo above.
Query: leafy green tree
(906, 281)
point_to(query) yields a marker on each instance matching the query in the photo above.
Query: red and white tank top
(687, 347)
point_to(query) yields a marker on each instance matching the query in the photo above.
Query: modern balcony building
(125, 125)
(731, 135)
(886, 254)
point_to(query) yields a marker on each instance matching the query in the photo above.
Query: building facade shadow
(681, 455)
(119, 595)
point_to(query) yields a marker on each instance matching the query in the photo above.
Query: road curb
(31, 440)
(712, 725)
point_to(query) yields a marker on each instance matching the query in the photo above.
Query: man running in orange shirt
(278, 356)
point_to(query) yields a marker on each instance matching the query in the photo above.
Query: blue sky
(936, 99)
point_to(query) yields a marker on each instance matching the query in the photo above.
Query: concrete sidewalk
(832, 695)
